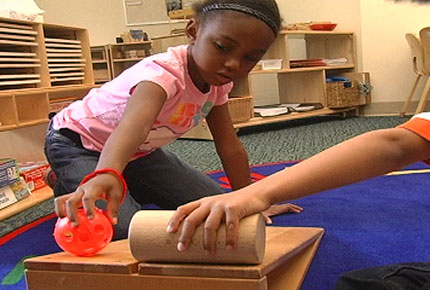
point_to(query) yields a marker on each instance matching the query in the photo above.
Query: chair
(420, 52)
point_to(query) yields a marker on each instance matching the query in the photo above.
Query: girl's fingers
(267, 220)
(189, 227)
(60, 205)
(72, 205)
(232, 229)
(211, 226)
(180, 214)
(113, 204)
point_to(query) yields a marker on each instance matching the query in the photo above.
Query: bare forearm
(116, 152)
(357, 159)
(236, 166)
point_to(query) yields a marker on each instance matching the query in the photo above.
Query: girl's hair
(265, 10)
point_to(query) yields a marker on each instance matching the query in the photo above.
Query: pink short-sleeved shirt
(99, 112)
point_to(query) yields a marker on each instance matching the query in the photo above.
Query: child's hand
(104, 186)
(214, 210)
(278, 209)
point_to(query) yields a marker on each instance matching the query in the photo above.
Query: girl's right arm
(369, 155)
(140, 114)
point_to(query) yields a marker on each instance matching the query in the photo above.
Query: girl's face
(226, 47)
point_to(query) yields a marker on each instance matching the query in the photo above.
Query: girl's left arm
(228, 146)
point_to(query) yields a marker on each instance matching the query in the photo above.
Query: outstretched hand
(213, 210)
(103, 186)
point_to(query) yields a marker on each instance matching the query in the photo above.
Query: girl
(118, 129)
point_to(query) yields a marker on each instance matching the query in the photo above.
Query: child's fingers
(232, 230)
(72, 205)
(189, 226)
(212, 224)
(179, 215)
(267, 220)
(295, 208)
(113, 204)
(60, 205)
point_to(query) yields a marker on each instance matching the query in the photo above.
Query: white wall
(379, 26)
(104, 19)
(385, 50)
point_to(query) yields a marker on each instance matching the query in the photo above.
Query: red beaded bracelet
(108, 170)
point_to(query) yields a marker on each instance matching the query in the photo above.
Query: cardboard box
(13, 193)
(34, 174)
(8, 171)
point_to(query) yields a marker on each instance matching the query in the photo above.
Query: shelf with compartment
(68, 55)
(306, 84)
(124, 55)
(20, 65)
(300, 85)
(101, 64)
(40, 61)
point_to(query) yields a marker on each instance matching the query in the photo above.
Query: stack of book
(13, 187)
(317, 62)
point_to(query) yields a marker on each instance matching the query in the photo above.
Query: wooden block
(150, 242)
(289, 252)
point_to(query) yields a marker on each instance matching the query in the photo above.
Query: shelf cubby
(40, 61)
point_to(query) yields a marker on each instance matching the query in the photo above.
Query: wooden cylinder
(150, 242)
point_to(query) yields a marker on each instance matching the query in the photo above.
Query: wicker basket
(341, 96)
(240, 108)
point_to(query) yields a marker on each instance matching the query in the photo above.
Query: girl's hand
(228, 207)
(278, 209)
(103, 186)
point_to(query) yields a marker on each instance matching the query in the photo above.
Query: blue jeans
(159, 178)
(406, 276)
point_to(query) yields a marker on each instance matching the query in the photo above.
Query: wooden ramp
(289, 253)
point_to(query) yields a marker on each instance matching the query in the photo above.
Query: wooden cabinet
(124, 55)
(296, 85)
(40, 62)
(305, 84)
(101, 64)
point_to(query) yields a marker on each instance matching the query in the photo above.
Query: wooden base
(289, 253)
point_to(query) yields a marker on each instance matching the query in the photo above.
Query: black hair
(265, 10)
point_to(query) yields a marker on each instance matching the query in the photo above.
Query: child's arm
(228, 146)
(140, 114)
(369, 155)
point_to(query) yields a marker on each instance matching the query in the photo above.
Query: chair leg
(408, 100)
(424, 96)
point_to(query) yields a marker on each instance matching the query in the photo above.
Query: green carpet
(284, 141)
(289, 140)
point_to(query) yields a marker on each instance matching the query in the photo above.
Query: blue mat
(379, 221)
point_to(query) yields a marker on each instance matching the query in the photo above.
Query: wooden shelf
(256, 121)
(35, 198)
(296, 85)
(303, 69)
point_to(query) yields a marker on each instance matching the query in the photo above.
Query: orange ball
(88, 238)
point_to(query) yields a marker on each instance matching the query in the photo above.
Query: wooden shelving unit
(124, 55)
(40, 62)
(101, 64)
(299, 85)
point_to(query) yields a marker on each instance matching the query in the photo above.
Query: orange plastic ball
(88, 238)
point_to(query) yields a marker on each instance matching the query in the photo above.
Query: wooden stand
(289, 252)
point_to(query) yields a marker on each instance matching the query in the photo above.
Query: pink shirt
(99, 112)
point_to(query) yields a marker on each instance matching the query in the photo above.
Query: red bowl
(323, 26)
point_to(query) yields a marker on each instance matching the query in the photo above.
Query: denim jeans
(406, 276)
(159, 178)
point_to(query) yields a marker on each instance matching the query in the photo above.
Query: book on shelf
(317, 62)
(13, 193)
(8, 171)
(282, 109)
